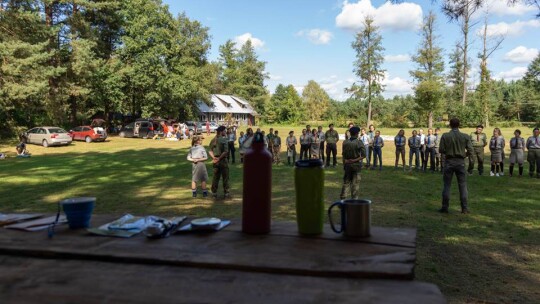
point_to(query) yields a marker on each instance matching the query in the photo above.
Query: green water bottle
(309, 186)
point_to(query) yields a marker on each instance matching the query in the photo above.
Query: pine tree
(368, 64)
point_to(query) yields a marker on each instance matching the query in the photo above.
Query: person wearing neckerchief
(353, 151)
(533, 154)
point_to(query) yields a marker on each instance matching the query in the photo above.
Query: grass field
(489, 256)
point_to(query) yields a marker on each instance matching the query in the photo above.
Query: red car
(88, 134)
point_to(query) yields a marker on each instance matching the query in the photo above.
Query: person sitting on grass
(21, 148)
(197, 155)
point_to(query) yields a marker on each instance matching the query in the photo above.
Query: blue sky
(304, 40)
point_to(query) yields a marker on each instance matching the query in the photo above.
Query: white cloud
(275, 77)
(316, 36)
(513, 74)
(502, 8)
(521, 54)
(400, 16)
(397, 58)
(510, 29)
(396, 85)
(242, 39)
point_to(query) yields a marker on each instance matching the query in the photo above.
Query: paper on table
(39, 224)
(10, 218)
(188, 227)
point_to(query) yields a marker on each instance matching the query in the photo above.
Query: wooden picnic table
(221, 267)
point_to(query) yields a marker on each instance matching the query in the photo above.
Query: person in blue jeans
(378, 144)
(414, 149)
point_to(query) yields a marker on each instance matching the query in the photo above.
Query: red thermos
(257, 195)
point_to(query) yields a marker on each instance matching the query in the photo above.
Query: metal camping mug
(355, 217)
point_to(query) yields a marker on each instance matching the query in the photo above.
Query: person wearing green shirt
(270, 140)
(219, 152)
(455, 146)
(332, 137)
(479, 141)
(353, 153)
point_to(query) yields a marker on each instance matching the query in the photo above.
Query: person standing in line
(241, 140)
(246, 143)
(231, 136)
(496, 146)
(197, 156)
(315, 145)
(276, 145)
(369, 152)
(304, 145)
(400, 141)
(332, 138)
(348, 133)
(455, 146)
(439, 161)
(422, 146)
(479, 142)
(533, 154)
(309, 134)
(414, 149)
(270, 141)
(219, 152)
(353, 152)
(378, 144)
(207, 128)
(291, 148)
(517, 151)
(430, 151)
(322, 139)
(364, 138)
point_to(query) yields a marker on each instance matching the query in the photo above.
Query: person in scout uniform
(422, 137)
(364, 138)
(439, 160)
(533, 155)
(455, 146)
(369, 152)
(479, 141)
(197, 156)
(517, 150)
(270, 141)
(315, 145)
(322, 139)
(430, 151)
(231, 136)
(219, 152)
(305, 143)
(378, 144)
(414, 149)
(400, 141)
(348, 133)
(496, 146)
(332, 137)
(291, 148)
(277, 147)
(353, 153)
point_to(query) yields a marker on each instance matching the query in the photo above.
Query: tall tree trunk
(466, 18)
(72, 98)
(369, 104)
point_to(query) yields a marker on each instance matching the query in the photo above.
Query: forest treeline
(62, 62)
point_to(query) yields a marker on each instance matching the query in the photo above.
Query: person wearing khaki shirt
(533, 155)
(455, 146)
(479, 141)
(332, 137)
(219, 152)
(353, 152)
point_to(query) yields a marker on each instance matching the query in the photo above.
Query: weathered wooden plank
(28, 280)
(282, 252)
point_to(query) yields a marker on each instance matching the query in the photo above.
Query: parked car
(88, 134)
(141, 128)
(47, 136)
(213, 126)
(194, 127)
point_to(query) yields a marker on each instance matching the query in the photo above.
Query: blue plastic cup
(78, 211)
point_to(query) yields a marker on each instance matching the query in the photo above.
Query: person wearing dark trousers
(231, 135)
(332, 137)
(378, 144)
(479, 141)
(533, 153)
(439, 161)
(431, 151)
(455, 146)
(369, 152)
(322, 139)
(414, 150)
(422, 146)
(305, 144)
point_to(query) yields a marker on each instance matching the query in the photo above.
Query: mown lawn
(491, 255)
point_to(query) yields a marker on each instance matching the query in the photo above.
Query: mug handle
(340, 205)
